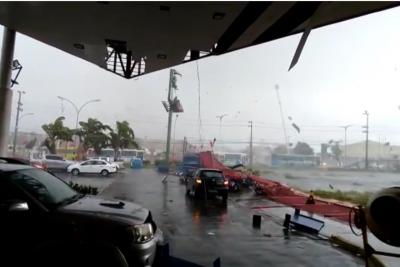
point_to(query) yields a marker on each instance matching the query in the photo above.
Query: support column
(7, 55)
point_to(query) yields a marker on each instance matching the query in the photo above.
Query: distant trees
(335, 149)
(303, 149)
(281, 149)
(92, 134)
(56, 131)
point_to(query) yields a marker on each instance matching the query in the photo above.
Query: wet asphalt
(201, 232)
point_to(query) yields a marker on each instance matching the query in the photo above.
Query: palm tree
(56, 131)
(93, 134)
(123, 137)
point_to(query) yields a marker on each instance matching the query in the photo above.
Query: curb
(355, 249)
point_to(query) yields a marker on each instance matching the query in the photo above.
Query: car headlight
(142, 232)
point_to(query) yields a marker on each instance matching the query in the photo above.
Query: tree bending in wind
(93, 134)
(56, 131)
(123, 137)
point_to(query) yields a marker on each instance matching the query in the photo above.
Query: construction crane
(282, 118)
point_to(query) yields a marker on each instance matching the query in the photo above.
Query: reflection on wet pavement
(201, 232)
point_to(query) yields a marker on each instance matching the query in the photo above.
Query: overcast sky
(344, 69)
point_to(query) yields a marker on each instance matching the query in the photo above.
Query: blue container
(136, 163)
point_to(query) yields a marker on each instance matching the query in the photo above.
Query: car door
(97, 166)
(22, 225)
(50, 162)
(86, 166)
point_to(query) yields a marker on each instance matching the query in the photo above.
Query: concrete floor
(201, 232)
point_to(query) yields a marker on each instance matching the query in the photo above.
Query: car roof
(95, 160)
(7, 167)
(208, 169)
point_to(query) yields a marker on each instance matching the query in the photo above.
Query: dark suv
(43, 222)
(207, 183)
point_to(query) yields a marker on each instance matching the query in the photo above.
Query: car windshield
(211, 174)
(44, 187)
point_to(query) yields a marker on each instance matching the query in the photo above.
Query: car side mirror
(18, 206)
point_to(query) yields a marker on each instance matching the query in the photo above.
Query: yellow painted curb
(355, 249)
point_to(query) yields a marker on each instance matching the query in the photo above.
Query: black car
(207, 183)
(43, 222)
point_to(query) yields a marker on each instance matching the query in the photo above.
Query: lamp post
(345, 141)
(78, 110)
(220, 117)
(366, 138)
(251, 143)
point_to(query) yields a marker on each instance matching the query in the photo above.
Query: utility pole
(169, 106)
(19, 108)
(366, 138)
(173, 143)
(171, 76)
(282, 118)
(251, 143)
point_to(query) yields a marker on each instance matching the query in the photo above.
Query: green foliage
(122, 137)
(94, 134)
(84, 189)
(335, 149)
(359, 198)
(303, 149)
(56, 131)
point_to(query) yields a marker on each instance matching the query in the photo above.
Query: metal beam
(7, 54)
(246, 18)
(295, 16)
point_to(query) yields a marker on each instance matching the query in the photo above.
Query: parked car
(108, 159)
(46, 221)
(55, 162)
(207, 183)
(101, 167)
(35, 163)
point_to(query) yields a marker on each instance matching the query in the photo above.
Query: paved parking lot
(201, 232)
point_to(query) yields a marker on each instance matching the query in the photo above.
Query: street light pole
(366, 138)
(220, 117)
(345, 141)
(19, 108)
(251, 143)
(78, 111)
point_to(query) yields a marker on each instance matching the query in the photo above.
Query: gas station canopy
(136, 38)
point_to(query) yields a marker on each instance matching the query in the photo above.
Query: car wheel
(75, 172)
(104, 173)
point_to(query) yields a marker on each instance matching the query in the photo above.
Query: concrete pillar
(7, 56)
